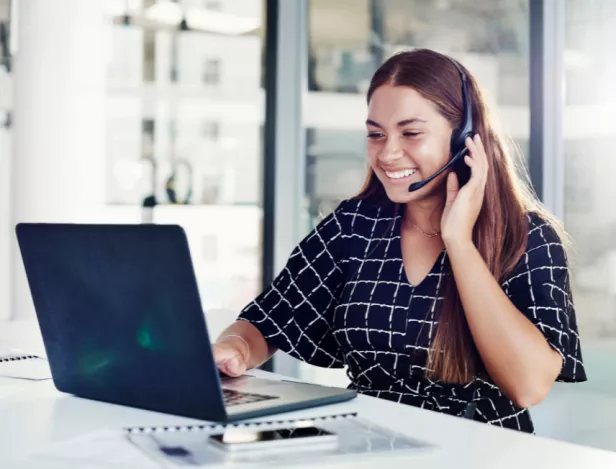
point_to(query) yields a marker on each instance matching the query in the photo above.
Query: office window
(349, 39)
(211, 72)
(580, 175)
(211, 131)
(147, 138)
(213, 5)
(168, 118)
(149, 49)
(590, 166)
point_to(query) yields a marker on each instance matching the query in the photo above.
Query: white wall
(6, 104)
(5, 225)
(58, 142)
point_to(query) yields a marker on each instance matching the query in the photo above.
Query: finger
(474, 164)
(223, 362)
(479, 143)
(223, 353)
(470, 144)
(476, 160)
(452, 188)
(220, 353)
(484, 156)
(481, 152)
(234, 366)
(476, 179)
(474, 150)
(469, 161)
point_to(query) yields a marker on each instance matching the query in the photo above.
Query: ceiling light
(222, 23)
(168, 13)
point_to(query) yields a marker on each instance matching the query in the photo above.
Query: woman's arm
(514, 351)
(295, 313)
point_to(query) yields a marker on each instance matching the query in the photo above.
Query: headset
(458, 139)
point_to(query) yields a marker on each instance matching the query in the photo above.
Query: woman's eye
(411, 134)
(374, 135)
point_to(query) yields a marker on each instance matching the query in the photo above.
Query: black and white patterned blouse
(343, 299)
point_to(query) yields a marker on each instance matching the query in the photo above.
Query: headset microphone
(418, 185)
(458, 139)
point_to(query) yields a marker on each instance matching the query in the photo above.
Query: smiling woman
(451, 298)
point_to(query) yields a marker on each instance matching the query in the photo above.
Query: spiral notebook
(181, 446)
(22, 365)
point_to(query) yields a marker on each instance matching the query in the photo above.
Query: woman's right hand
(231, 355)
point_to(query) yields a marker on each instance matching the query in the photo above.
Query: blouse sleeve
(540, 288)
(294, 313)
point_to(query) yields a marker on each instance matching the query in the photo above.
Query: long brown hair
(501, 231)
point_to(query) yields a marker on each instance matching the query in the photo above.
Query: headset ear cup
(454, 145)
(463, 139)
(458, 141)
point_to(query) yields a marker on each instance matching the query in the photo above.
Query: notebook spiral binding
(21, 357)
(197, 428)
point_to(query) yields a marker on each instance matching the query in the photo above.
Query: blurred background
(253, 111)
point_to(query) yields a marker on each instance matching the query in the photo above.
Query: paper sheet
(357, 439)
(36, 368)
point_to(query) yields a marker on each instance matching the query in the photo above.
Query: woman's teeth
(400, 174)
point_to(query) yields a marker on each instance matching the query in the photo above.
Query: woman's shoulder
(547, 245)
(545, 253)
(543, 230)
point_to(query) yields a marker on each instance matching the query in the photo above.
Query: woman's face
(408, 141)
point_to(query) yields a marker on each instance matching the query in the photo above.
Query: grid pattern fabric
(343, 300)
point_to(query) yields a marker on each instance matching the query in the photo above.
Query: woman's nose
(391, 151)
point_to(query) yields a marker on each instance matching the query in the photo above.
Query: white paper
(356, 439)
(36, 368)
(104, 449)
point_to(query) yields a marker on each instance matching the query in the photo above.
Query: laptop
(121, 319)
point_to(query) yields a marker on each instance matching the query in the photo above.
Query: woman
(453, 297)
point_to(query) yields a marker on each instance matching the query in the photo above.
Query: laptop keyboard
(236, 398)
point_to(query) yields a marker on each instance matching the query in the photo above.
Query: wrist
(458, 244)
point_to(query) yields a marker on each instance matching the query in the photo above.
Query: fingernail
(233, 365)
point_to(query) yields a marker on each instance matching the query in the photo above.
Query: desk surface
(34, 414)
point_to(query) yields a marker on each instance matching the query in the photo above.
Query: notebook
(188, 445)
(22, 365)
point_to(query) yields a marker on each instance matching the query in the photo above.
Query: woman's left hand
(463, 205)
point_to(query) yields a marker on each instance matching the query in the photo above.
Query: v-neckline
(437, 261)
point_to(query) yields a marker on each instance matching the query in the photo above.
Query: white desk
(34, 414)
